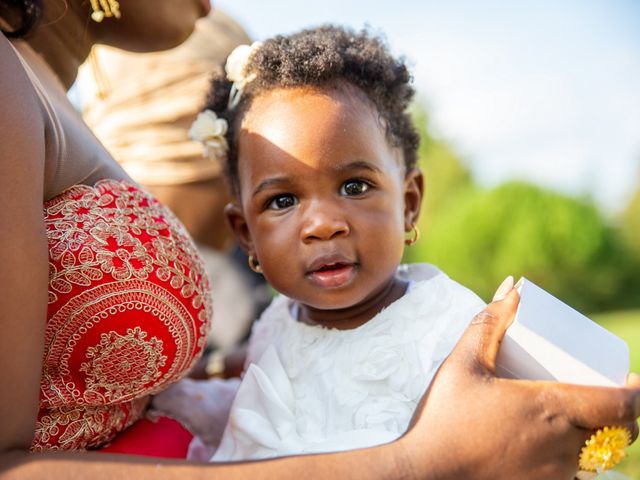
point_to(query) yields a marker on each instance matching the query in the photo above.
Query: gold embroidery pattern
(129, 307)
(81, 428)
(101, 308)
(120, 363)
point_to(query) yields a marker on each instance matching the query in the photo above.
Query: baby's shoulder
(426, 278)
(270, 327)
(434, 295)
(276, 315)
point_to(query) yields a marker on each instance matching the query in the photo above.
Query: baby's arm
(200, 405)
(203, 405)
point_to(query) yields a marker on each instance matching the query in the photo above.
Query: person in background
(140, 106)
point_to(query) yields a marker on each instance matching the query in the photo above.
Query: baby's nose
(324, 223)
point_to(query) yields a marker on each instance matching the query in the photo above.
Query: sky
(547, 91)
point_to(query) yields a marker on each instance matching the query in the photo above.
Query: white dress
(312, 389)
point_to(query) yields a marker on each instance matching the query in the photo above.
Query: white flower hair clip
(210, 130)
(236, 67)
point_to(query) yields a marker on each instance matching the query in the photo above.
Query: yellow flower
(604, 449)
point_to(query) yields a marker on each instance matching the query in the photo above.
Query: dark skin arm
(23, 252)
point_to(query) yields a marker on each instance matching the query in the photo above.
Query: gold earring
(416, 236)
(104, 8)
(254, 264)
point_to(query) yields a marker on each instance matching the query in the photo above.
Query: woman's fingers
(595, 407)
(633, 380)
(504, 288)
(481, 341)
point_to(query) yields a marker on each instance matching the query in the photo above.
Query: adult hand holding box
(548, 340)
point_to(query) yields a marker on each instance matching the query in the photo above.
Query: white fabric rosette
(210, 130)
(236, 69)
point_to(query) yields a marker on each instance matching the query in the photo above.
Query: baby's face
(322, 195)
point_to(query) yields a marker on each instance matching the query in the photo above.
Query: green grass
(627, 326)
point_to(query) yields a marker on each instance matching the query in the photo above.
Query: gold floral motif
(81, 428)
(111, 223)
(107, 304)
(121, 363)
(121, 266)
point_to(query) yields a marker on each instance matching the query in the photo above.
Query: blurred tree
(556, 241)
(446, 177)
(479, 237)
(630, 224)
(630, 233)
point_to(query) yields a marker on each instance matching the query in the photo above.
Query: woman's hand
(507, 428)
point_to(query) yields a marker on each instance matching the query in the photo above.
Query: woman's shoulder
(22, 124)
(21, 115)
(13, 69)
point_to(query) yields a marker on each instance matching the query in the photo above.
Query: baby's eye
(281, 202)
(354, 187)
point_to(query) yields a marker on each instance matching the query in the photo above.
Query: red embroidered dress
(128, 312)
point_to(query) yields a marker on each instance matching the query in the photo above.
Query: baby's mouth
(332, 274)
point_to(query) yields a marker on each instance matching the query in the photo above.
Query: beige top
(142, 105)
(73, 154)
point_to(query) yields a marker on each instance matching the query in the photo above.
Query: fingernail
(504, 288)
(519, 284)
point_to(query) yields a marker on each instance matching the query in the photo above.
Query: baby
(320, 154)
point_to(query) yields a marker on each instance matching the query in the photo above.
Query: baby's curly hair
(324, 57)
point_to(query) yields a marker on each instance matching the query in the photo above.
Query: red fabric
(165, 438)
(129, 306)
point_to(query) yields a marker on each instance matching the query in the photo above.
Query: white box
(549, 340)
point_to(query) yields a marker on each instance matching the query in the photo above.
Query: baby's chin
(351, 296)
(332, 301)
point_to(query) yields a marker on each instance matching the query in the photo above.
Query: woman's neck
(357, 315)
(63, 39)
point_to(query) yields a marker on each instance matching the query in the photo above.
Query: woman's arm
(383, 462)
(23, 252)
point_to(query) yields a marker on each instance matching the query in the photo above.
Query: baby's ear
(413, 192)
(238, 224)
